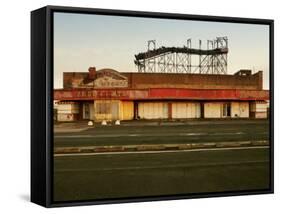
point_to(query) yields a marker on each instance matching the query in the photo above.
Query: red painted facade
(160, 94)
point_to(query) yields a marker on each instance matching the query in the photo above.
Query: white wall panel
(68, 108)
(153, 110)
(185, 110)
(212, 110)
(239, 109)
(244, 109)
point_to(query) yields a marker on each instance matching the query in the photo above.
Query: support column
(80, 114)
(136, 111)
(202, 110)
(170, 110)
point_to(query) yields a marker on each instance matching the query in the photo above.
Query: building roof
(243, 79)
(111, 84)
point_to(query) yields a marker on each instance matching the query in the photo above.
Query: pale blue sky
(82, 40)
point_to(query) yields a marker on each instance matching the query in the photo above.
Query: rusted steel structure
(212, 60)
(107, 94)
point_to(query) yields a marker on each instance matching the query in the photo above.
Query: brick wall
(191, 81)
(195, 81)
(71, 78)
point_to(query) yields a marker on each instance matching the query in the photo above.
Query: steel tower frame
(212, 60)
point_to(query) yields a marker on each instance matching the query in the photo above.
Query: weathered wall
(212, 110)
(239, 109)
(111, 110)
(195, 81)
(73, 79)
(192, 81)
(127, 110)
(153, 110)
(88, 111)
(67, 111)
(258, 109)
(107, 110)
(160, 94)
(185, 110)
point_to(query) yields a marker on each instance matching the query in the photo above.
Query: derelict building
(107, 94)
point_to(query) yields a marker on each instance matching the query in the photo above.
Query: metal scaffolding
(212, 60)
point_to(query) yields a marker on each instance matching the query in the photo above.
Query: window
(102, 108)
(86, 111)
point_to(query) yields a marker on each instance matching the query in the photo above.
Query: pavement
(76, 150)
(78, 126)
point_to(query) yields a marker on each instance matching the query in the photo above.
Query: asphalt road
(105, 176)
(136, 133)
(101, 176)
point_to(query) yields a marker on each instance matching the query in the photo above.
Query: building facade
(110, 95)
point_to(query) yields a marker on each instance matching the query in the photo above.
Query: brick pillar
(80, 114)
(170, 110)
(260, 76)
(202, 110)
(136, 110)
(92, 72)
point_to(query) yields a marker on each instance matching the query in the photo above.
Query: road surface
(158, 173)
(165, 133)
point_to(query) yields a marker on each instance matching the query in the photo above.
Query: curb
(157, 147)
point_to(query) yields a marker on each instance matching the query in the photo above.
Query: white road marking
(150, 135)
(73, 136)
(133, 135)
(162, 151)
(227, 133)
(193, 134)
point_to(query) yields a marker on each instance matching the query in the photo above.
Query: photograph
(148, 107)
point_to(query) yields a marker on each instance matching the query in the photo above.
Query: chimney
(92, 72)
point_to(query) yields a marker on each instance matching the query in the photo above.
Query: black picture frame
(42, 101)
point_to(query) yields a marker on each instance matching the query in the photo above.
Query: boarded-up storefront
(127, 110)
(153, 110)
(212, 110)
(183, 110)
(88, 111)
(67, 111)
(106, 110)
(258, 109)
(217, 109)
(239, 109)
(111, 110)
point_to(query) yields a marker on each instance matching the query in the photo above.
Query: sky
(85, 40)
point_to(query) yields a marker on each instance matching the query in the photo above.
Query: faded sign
(100, 94)
(110, 82)
(138, 94)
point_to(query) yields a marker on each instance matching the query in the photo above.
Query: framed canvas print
(140, 106)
